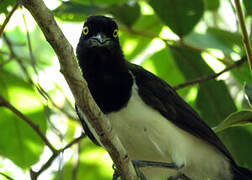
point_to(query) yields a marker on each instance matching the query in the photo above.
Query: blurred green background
(177, 40)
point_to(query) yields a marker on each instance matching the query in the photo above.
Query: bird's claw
(179, 176)
(141, 163)
(116, 174)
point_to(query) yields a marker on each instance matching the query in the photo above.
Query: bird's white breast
(147, 135)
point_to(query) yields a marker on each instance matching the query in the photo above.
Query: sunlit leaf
(226, 37)
(239, 118)
(13, 130)
(180, 15)
(18, 141)
(208, 40)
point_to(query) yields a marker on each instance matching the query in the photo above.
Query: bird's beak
(99, 40)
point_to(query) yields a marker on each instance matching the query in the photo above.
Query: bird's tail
(241, 173)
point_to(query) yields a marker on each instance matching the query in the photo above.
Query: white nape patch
(147, 135)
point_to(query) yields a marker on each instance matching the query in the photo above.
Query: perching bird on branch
(156, 126)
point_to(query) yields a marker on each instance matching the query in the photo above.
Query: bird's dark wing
(158, 94)
(85, 127)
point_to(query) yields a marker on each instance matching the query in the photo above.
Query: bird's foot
(179, 176)
(116, 174)
(141, 163)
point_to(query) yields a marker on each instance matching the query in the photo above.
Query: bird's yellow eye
(115, 33)
(85, 30)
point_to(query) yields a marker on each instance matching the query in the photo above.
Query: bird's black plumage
(103, 73)
(111, 78)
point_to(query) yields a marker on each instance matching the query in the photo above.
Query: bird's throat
(108, 78)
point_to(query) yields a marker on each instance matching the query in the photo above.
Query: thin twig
(34, 175)
(48, 98)
(8, 18)
(19, 60)
(74, 141)
(33, 63)
(37, 86)
(35, 127)
(6, 176)
(211, 76)
(246, 40)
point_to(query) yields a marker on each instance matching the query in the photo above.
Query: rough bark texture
(78, 86)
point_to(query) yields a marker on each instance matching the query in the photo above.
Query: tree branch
(78, 86)
(8, 18)
(246, 40)
(211, 76)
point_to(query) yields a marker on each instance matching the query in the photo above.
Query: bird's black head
(98, 49)
(99, 31)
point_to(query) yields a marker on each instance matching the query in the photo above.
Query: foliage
(177, 40)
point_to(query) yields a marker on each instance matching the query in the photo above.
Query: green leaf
(18, 141)
(214, 101)
(74, 11)
(127, 13)
(238, 142)
(242, 73)
(248, 91)
(180, 15)
(239, 118)
(248, 6)
(4, 4)
(227, 37)
(212, 5)
(208, 40)
(15, 134)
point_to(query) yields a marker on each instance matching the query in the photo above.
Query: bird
(152, 121)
